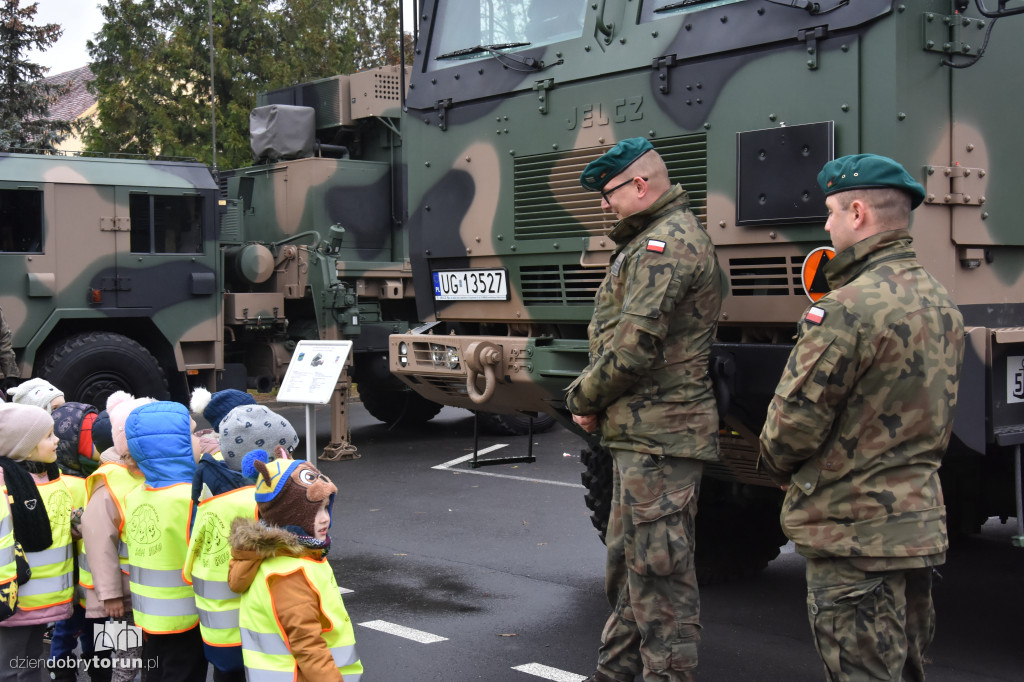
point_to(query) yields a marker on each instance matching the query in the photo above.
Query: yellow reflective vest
(156, 528)
(206, 564)
(265, 647)
(76, 486)
(8, 565)
(53, 568)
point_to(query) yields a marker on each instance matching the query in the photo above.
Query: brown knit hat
(21, 429)
(290, 493)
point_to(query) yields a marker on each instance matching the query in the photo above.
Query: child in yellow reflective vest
(292, 618)
(40, 506)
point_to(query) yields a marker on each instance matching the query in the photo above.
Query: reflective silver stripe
(257, 675)
(156, 577)
(219, 620)
(6, 526)
(54, 555)
(264, 642)
(213, 589)
(155, 606)
(344, 655)
(37, 586)
(122, 549)
(83, 563)
(6, 556)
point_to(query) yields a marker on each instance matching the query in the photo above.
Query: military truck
(157, 276)
(745, 100)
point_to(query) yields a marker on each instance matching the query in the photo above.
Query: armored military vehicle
(745, 100)
(154, 276)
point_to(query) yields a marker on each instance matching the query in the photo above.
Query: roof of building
(78, 100)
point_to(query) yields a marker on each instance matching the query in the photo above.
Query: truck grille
(565, 284)
(766, 276)
(549, 202)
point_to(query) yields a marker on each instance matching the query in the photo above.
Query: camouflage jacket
(654, 318)
(864, 410)
(8, 364)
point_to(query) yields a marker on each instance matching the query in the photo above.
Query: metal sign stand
(312, 375)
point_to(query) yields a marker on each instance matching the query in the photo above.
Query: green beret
(617, 159)
(868, 171)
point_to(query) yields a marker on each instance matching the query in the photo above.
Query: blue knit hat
(214, 407)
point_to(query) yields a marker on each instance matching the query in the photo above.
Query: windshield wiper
(678, 5)
(481, 48)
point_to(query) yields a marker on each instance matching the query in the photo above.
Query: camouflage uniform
(857, 428)
(650, 338)
(8, 363)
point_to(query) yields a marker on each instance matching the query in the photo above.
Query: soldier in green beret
(858, 426)
(647, 391)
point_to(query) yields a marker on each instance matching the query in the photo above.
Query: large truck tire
(736, 538)
(514, 424)
(399, 408)
(89, 367)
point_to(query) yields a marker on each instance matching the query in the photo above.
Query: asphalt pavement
(456, 574)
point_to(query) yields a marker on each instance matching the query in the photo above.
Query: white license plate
(470, 285)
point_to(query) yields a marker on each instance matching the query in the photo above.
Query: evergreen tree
(24, 99)
(151, 61)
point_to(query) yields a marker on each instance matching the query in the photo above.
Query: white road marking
(447, 466)
(549, 673)
(345, 590)
(402, 631)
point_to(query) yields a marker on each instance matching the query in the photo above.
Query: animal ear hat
(290, 492)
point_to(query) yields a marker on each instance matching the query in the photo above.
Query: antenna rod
(213, 92)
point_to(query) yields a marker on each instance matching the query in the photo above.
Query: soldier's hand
(587, 422)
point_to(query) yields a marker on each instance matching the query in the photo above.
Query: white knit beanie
(38, 392)
(22, 427)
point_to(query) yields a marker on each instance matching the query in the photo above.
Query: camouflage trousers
(650, 578)
(870, 625)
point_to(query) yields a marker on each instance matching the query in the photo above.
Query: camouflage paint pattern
(650, 337)
(870, 625)
(650, 578)
(495, 142)
(864, 410)
(84, 267)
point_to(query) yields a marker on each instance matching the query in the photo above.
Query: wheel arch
(142, 330)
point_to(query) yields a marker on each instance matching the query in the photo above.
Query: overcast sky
(81, 19)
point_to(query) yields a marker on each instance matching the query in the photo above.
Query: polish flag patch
(655, 246)
(815, 315)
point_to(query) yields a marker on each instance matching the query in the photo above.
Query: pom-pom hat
(215, 406)
(289, 492)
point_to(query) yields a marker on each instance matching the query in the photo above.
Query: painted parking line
(549, 673)
(402, 631)
(447, 466)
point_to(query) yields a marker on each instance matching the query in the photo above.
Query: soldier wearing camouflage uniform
(9, 371)
(858, 426)
(647, 390)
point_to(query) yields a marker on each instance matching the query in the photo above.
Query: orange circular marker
(812, 272)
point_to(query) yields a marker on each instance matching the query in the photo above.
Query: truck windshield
(464, 29)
